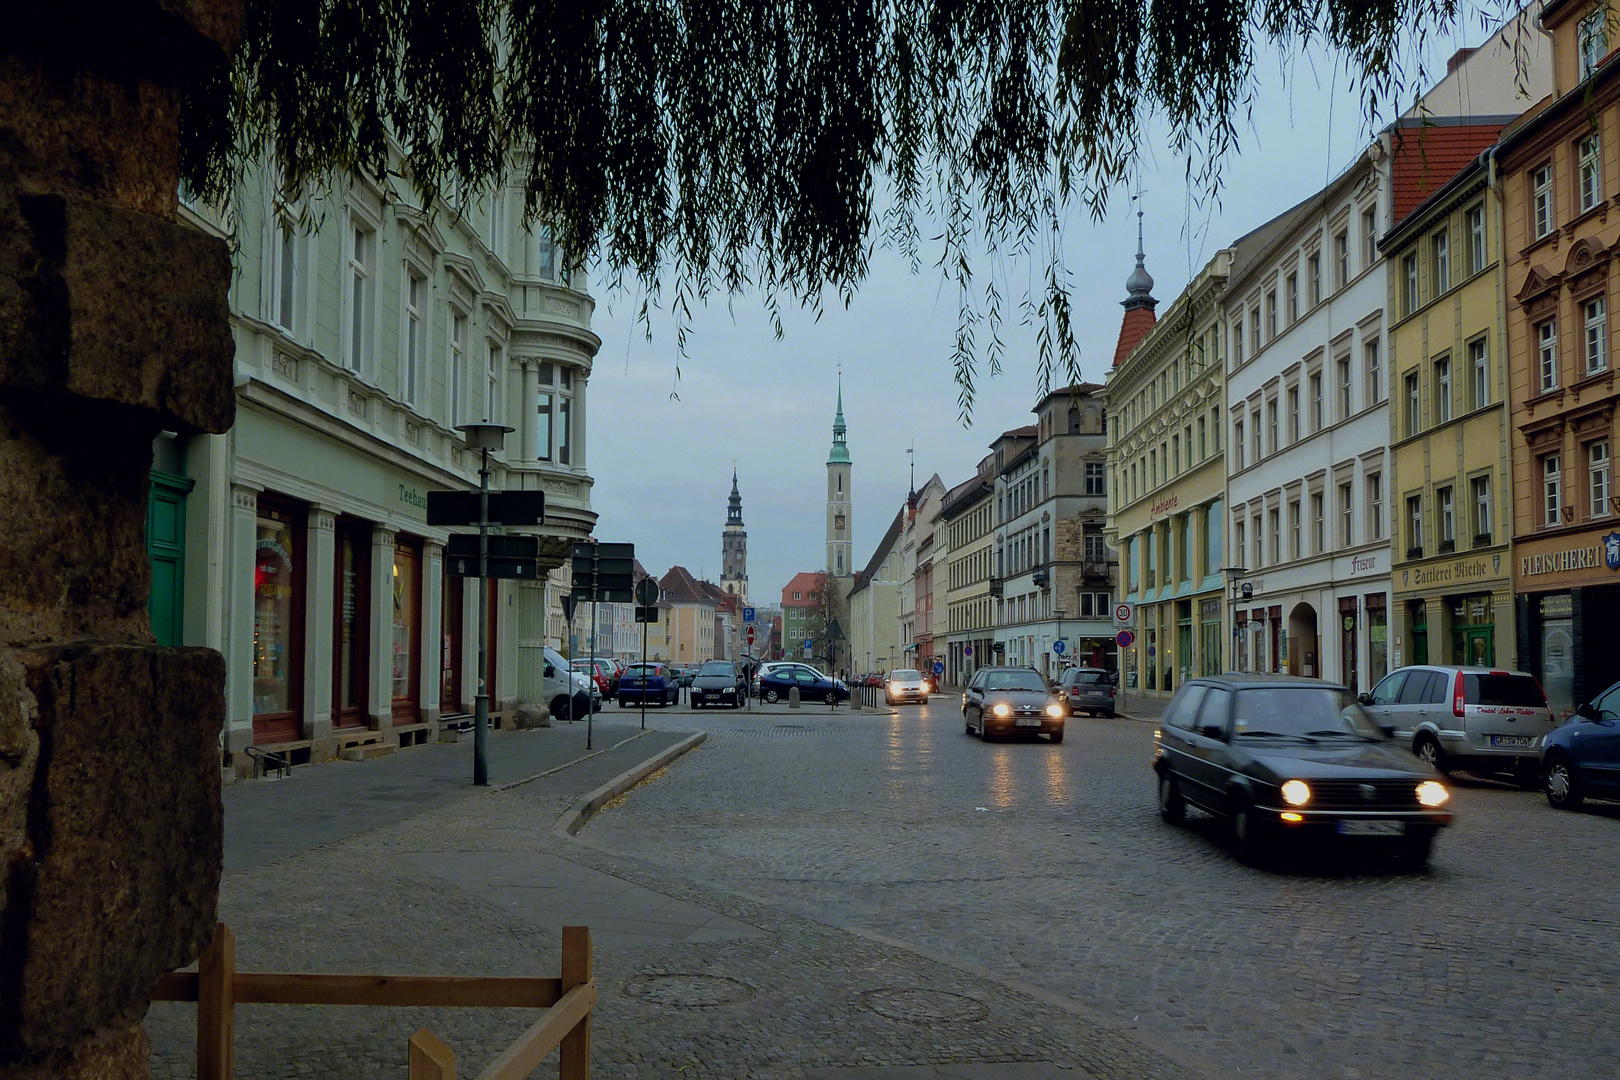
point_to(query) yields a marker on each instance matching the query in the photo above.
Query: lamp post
(1241, 590)
(483, 438)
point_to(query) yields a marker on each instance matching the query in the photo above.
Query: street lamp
(1241, 590)
(483, 438)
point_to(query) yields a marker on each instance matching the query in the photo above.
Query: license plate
(1027, 721)
(1523, 741)
(1371, 828)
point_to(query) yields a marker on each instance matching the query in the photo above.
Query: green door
(165, 547)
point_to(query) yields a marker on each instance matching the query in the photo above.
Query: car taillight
(1458, 698)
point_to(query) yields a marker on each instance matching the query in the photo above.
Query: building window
(1341, 260)
(1440, 253)
(1274, 520)
(1597, 473)
(415, 332)
(1479, 364)
(1313, 278)
(1369, 237)
(1095, 478)
(1345, 405)
(1293, 299)
(1271, 424)
(1446, 521)
(1237, 342)
(457, 373)
(1318, 523)
(1414, 525)
(1593, 40)
(1482, 508)
(287, 275)
(1551, 489)
(1271, 314)
(1254, 427)
(1589, 162)
(1373, 366)
(1541, 201)
(1474, 220)
(1442, 390)
(1375, 506)
(1316, 401)
(1237, 538)
(1347, 534)
(1259, 554)
(1293, 414)
(1414, 403)
(1547, 353)
(360, 298)
(1293, 529)
(492, 382)
(1409, 284)
(1597, 334)
(1254, 329)
(1203, 450)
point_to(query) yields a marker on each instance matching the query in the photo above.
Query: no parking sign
(1125, 639)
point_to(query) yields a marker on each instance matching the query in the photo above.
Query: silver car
(1477, 719)
(905, 684)
(1088, 690)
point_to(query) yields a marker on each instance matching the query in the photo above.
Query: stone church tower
(840, 554)
(734, 548)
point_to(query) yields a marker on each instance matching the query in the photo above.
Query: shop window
(278, 625)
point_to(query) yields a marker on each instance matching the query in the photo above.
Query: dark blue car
(1582, 757)
(652, 684)
(812, 684)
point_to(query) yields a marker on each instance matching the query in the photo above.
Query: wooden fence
(565, 1025)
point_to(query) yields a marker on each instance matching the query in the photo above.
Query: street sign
(1125, 639)
(465, 546)
(569, 602)
(834, 631)
(464, 566)
(604, 572)
(750, 635)
(646, 613)
(748, 614)
(505, 507)
(939, 667)
(647, 592)
(1124, 614)
(1058, 646)
(967, 650)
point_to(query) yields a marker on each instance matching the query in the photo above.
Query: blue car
(650, 684)
(1582, 758)
(813, 685)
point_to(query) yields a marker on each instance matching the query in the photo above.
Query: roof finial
(1139, 286)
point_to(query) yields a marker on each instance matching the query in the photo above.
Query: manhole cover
(687, 991)
(924, 1006)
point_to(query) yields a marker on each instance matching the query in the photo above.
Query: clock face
(838, 521)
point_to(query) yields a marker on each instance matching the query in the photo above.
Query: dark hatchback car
(719, 682)
(649, 684)
(1009, 700)
(1278, 757)
(1581, 758)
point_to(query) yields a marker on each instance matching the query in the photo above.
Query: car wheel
(1527, 773)
(1415, 848)
(831, 698)
(967, 725)
(1563, 790)
(1172, 806)
(1056, 736)
(582, 705)
(772, 697)
(984, 728)
(560, 709)
(1249, 842)
(622, 703)
(1427, 748)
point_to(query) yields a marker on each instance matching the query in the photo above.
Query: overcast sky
(662, 464)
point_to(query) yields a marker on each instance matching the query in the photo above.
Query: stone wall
(113, 327)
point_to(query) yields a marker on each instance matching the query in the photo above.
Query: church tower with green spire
(840, 554)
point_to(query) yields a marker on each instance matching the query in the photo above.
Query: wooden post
(430, 1058)
(216, 1007)
(574, 1052)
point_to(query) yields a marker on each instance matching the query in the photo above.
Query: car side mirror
(551, 672)
(1585, 711)
(1210, 731)
(1364, 699)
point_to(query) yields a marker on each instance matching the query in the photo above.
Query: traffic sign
(748, 614)
(465, 546)
(505, 507)
(521, 569)
(1124, 614)
(604, 572)
(1058, 646)
(939, 667)
(750, 635)
(647, 592)
(1125, 638)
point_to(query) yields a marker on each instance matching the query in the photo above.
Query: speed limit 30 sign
(1124, 614)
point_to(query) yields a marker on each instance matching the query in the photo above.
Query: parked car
(568, 692)
(766, 668)
(1088, 690)
(813, 685)
(600, 671)
(1478, 719)
(1279, 756)
(719, 682)
(905, 684)
(1011, 699)
(650, 684)
(1581, 758)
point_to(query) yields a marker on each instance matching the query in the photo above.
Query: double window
(1551, 489)
(1547, 354)
(1414, 525)
(360, 298)
(1440, 253)
(1589, 167)
(1541, 201)
(1442, 389)
(1474, 220)
(1479, 364)
(1481, 486)
(556, 409)
(1597, 474)
(1596, 319)
(1593, 40)
(1446, 517)
(413, 362)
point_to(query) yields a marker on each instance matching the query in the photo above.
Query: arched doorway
(1304, 650)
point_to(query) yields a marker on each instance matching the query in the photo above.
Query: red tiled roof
(806, 582)
(1426, 157)
(1138, 321)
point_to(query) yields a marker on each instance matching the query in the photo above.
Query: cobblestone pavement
(697, 979)
(1048, 867)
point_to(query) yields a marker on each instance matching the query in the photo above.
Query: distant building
(734, 547)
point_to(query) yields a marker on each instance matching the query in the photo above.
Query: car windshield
(1304, 712)
(1089, 678)
(717, 667)
(906, 675)
(1516, 690)
(1015, 680)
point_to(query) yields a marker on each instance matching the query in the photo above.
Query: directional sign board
(465, 545)
(939, 667)
(467, 566)
(604, 572)
(1058, 646)
(505, 507)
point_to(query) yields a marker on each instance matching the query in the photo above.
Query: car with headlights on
(1011, 700)
(1581, 758)
(905, 684)
(718, 682)
(1278, 756)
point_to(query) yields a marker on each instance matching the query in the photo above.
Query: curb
(587, 805)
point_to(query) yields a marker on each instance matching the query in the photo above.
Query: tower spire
(1139, 302)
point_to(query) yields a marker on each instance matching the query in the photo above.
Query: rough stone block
(123, 1053)
(117, 879)
(126, 309)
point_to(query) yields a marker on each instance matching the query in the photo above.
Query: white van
(568, 692)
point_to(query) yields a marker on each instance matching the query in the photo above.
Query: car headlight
(1002, 709)
(1432, 793)
(1055, 711)
(1296, 793)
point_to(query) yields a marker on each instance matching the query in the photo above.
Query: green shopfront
(1455, 609)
